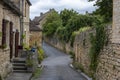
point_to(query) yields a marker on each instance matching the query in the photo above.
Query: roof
(13, 7)
(34, 27)
(38, 19)
(29, 2)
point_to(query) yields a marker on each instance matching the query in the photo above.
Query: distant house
(35, 35)
(36, 28)
(12, 25)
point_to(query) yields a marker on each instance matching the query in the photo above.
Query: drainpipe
(21, 21)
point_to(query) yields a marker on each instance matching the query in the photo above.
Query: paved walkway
(57, 66)
(19, 76)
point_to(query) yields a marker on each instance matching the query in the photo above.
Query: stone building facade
(35, 35)
(36, 25)
(24, 6)
(11, 26)
(9, 23)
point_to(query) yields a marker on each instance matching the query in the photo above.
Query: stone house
(12, 22)
(36, 28)
(24, 6)
(35, 35)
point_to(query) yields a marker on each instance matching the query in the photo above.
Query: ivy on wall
(97, 43)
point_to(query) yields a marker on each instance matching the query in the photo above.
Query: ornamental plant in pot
(29, 64)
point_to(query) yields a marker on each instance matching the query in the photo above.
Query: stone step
(20, 71)
(19, 64)
(15, 61)
(19, 68)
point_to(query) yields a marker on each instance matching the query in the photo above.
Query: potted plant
(29, 64)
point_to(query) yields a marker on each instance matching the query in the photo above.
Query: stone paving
(19, 76)
(56, 66)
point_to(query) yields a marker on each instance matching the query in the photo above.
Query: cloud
(80, 6)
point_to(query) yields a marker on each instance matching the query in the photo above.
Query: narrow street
(56, 66)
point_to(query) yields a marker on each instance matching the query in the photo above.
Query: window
(3, 33)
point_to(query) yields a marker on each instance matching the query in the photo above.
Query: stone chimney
(41, 14)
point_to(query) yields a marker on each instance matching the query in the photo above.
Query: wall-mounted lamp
(25, 30)
(14, 30)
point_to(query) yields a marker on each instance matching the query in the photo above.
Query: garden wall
(109, 58)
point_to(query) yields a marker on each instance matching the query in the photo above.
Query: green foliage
(29, 63)
(66, 15)
(29, 60)
(62, 26)
(72, 55)
(25, 46)
(4, 46)
(97, 44)
(40, 54)
(72, 38)
(23, 36)
(75, 23)
(78, 66)
(104, 9)
(53, 21)
(37, 73)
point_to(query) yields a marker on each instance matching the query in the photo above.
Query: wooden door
(16, 43)
(11, 40)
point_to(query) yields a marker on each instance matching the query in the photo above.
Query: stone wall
(7, 14)
(5, 66)
(36, 38)
(82, 47)
(109, 58)
(116, 21)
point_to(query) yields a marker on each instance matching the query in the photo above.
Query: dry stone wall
(109, 58)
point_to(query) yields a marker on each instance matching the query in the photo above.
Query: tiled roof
(34, 27)
(29, 2)
(13, 7)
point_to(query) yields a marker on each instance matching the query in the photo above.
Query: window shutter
(11, 33)
(3, 32)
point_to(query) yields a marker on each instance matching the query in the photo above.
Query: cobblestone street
(56, 66)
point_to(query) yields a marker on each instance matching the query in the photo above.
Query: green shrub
(40, 55)
(29, 63)
(37, 73)
(97, 44)
(72, 55)
(78, 66)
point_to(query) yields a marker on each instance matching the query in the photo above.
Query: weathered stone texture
(5, 65)
(10, 16)
(81, 47)
(116, 21)
(36, 38)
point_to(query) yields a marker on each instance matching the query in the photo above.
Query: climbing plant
(97, 44)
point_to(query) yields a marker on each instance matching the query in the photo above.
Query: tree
(66, 15)
(53, 21)
(104, 9)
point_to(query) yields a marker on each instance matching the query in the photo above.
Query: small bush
(40, 55)
(78, 66)
(37, 73)
(29, 63)
(72, 55)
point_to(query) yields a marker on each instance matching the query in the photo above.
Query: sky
(81, 6)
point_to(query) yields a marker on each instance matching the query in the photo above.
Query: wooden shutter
(16, 43)
(3, 32)
(11, 40)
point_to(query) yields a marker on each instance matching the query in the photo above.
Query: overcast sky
(80, 6)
